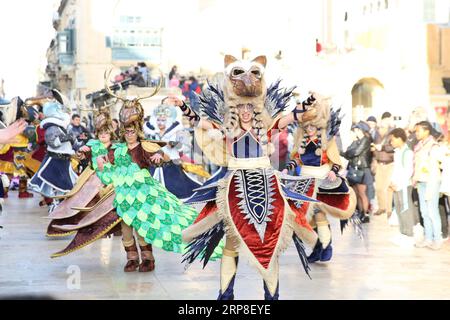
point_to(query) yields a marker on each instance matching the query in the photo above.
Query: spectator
(75, 128)
(401, 183)
(137, 78)
(194, 88)
(384, 155)
(444, 205)
(372, 122)
(359, 175)
(143, 69)
(173, 73)
(174, 82)
(419, 114)
(427, 178)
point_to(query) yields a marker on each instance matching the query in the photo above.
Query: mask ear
(261, 60)
(229, 60)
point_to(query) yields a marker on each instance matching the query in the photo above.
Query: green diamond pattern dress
(143, 203)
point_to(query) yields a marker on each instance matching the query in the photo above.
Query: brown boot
(148, 261)
(132, 257)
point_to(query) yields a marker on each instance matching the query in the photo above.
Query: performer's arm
(194, 118)
(8, 135)
(102, 160)
(53, 136)
(292, 164)
(299, 114)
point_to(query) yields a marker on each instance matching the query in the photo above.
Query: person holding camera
(359, 175)
(384, 155)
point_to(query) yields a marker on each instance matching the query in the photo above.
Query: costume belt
(61, 156)
(249, 163)
(316, 172)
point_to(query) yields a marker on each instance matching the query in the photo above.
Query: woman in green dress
(145, 206)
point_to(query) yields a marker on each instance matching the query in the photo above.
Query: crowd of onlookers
(402, 170)
(140, 75)
(189, 86)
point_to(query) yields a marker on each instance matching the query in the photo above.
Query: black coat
(358, 153)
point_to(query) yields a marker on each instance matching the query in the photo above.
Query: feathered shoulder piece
(277, 98)
(334, 123)
(212, 102)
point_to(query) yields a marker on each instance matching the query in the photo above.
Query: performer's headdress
(244, 83)
(327, 123)
(131, 113)
(103, 122)
(165, 112)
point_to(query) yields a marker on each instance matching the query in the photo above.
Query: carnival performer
(55, 175)
(316, 155)
(15, 158)
(157, 216)
(172, 174)
(98, 218)
(247, 203)
(88, 192)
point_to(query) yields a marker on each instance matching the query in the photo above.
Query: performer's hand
(156, 158)
(285, 171)
(84, 149)
(8, 135)
(101, 163)
(173, 100)
(308, 115)
(331, 176)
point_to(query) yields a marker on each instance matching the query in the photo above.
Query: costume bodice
(246, 146)
(309, 158)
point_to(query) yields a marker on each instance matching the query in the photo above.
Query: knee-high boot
(129, 243)
(147, 258)
(324, 232)
(228, 270)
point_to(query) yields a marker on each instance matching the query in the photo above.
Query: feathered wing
(277, 98)
(334, 123)
(212, 103)
(207, 246)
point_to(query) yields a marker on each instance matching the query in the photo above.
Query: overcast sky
(25, 34)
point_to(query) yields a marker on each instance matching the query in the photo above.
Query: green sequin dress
(144, 204)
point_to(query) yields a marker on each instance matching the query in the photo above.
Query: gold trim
(101, 234)
(60, 235)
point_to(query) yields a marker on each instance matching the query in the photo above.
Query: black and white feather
(277, 98)
(334, 123)
(212, 103)
(302, 253)
(203, 246)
